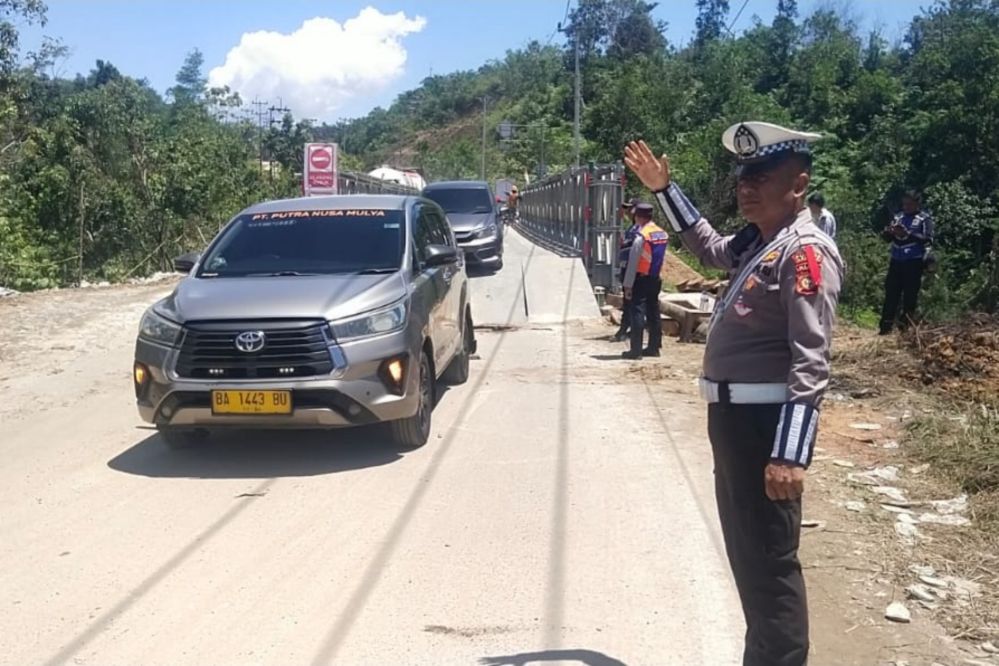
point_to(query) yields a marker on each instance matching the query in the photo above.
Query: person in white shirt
(821, 216)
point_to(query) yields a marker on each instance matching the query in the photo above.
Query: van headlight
(158, 329)
(379, 322)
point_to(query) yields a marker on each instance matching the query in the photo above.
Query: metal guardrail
(579, 213)
(359, 183)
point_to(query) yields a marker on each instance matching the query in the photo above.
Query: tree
(11, 11)
(623, 26)
(191, 81)
(710, 23)
(638, 34)
(102, 74)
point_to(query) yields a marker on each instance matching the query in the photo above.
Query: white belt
(744, 394)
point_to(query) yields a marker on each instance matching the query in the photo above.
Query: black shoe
(631, 356)
(650, 352)
(620, 337)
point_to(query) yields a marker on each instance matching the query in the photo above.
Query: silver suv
(321, 312)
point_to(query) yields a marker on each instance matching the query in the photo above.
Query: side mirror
(185, 262)
(440, 255)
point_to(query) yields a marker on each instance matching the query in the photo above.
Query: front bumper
(352, 396)
(483, 250)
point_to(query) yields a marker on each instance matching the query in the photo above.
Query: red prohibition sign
(321, 158)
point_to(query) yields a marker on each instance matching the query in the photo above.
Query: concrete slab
(535, 286)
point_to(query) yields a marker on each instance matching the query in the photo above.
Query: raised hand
(652, 171)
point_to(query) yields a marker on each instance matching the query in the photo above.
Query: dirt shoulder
(883, 527)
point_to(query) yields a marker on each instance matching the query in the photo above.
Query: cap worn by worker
(643, 209)
(631, 203)
(765, 145)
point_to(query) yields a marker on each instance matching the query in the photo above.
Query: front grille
(291, 350)
(464, 236)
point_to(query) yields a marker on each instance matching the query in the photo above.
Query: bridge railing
(359, 183)
(578, 212)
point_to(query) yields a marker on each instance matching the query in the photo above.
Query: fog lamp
(393, 374)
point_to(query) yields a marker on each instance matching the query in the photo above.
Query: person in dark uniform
(624, 250)
(911, 235)
(766, 367)
(643, 282)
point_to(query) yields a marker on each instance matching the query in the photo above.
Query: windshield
(316, 242)
(461, 200)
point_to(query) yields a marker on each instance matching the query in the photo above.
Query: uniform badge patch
(807, 271)
(741, 308)
(751, 282)
(771, 256)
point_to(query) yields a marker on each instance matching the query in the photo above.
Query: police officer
(911, 235)
(643, 283)
(624, 251)
(823, 219)
(766, 367)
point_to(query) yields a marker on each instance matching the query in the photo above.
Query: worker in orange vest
(642, 282)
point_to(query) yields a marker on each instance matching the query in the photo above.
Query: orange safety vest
(653, 249)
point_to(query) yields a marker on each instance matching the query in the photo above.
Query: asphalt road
(560, 514)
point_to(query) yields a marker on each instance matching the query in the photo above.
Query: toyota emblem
(250, 341)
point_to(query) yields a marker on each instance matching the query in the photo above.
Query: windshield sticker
(258, 224)
(306, 214)
(390, 225)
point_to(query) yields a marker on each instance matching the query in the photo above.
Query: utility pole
(484, 138)
(579, 97)
(578, 93)
(270, 124)
(260, 104)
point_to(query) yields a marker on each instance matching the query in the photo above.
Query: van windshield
(313, 242)
(461, 200)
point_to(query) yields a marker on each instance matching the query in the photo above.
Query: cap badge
(745, 141)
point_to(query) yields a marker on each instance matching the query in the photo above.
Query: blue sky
(377, 58)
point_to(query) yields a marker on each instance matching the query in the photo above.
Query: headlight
(487, 232)
(157, 329)
(379, 322)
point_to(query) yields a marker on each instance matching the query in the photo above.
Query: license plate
(251, 402)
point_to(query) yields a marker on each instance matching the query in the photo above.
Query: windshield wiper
(280, 274)
(377, 271)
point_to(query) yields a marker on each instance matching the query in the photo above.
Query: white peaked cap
(754, 141)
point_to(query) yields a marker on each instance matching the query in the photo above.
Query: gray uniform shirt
(827, 223)
(634, 255)
(778, 323)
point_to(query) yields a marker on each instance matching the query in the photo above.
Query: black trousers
(625, 318)
(644, 312)
(904, 280)
(761, 536)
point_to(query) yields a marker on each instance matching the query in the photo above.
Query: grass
(686, 257)
(862, 317)
(961, 443)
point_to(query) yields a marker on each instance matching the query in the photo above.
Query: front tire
(457, 372)
(413, 432)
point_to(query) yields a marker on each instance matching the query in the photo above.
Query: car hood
(469, 221)
(292, 297)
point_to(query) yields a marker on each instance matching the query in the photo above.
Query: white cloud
(323, 65)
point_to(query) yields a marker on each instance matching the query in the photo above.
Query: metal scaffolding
(578, 213)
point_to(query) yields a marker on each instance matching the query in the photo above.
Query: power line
(736, 19)
(559, 29)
